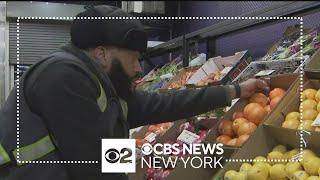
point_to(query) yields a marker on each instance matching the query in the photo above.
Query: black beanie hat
(125, 33)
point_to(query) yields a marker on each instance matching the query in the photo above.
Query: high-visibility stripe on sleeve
(4, 157)
(34, 151)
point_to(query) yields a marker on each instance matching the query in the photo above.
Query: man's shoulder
(61, 68)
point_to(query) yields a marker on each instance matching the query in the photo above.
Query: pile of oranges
(236, 131)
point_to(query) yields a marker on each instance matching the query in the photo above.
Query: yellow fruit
(264, 166)
(245, 167)
(268, 166)
(230, 175)
(318, 107)
(277, 171)
(309, 114)
(293, 115)
(306, 155)
(280, 148)
(259, 159)
(300, 175)
(317, 96)
(309, 104)
(319, 172)
(291, 153)
(307, 125)
(308, 152)
(312, 166)
(242, 176)
(313, 178)
(309, 94)
(276, 157)
(292, 167)
(257, 172)
(291, 124)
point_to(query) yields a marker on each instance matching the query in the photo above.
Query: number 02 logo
(118, 155)
(113, 155)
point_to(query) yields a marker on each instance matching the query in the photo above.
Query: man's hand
(251, 86)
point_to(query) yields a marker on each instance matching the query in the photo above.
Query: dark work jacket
(59, 95)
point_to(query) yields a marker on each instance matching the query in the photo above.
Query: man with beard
(84, 92)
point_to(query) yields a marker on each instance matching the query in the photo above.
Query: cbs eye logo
(113, 155)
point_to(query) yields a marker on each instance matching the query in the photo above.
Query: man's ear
(102, 53)
(98, 53)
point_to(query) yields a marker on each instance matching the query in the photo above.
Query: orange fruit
(237, 115)
(246, 128)
(232, 142)
(242, 139)
(276, 92)
(260, 99)
(255, 113)
(267, 108)
(223, 139)
(275, 101)
(237, 122)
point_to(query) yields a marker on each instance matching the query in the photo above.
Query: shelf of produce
(154, 80)
(285, 66)
(289, 45)
(288, 118)
(179, 80)
(171, 136)
(190, 173)
(220, 70)
(266, 146)
(229, 128)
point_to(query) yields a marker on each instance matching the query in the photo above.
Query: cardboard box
(274, 123)
(262, 142)
(286, 81)
(167, 135)
(172, 134)
(293, 102)
(190, 173)
(232, 65)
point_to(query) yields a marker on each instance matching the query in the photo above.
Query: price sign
(188, 137)
(151, 137)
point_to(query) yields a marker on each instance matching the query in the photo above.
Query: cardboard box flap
(197, 76)
(216, 64)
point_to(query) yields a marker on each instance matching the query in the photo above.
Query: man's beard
(120, 80)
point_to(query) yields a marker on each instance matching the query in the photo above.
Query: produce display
(181, 81)
(157, 174)
(154, 81)
(279, 67)
(310, 111)
(236, 131)
(280, 163)
(276, 166)
(158, 130)
(211, 78)
(162, 173)
(289, 46)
